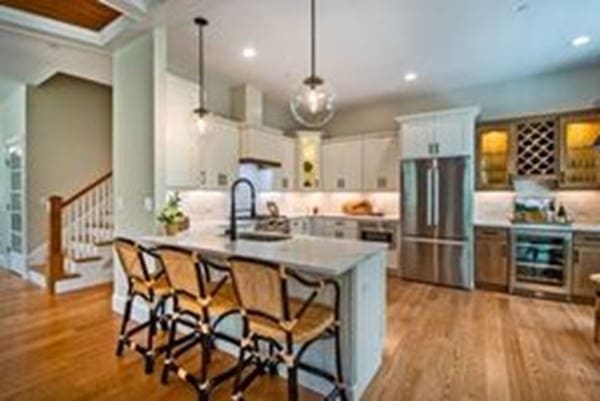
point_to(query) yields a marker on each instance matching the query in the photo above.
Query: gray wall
(218, 98)
(69, 143)
(550, 92)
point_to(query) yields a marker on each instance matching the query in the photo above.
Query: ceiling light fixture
(201, 112)
(312, 104)
(249, 52)
(410, 76)
(581, 41)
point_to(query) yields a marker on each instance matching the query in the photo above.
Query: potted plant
(172, 217)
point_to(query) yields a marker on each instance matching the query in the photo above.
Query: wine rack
(536, 147)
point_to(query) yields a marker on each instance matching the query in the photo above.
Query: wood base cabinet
(491, 258)
(586, 261)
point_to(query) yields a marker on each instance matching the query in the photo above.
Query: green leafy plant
(171, 213)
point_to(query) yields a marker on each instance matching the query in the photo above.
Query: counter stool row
(190, 291)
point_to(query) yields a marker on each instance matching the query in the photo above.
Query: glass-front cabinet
(309, 160)
(493, 157)
(580, 162)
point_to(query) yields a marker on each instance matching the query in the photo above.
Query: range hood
(258, 143)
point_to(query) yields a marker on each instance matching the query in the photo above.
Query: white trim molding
(13, 17)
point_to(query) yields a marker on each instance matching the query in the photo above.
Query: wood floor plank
(442, 344)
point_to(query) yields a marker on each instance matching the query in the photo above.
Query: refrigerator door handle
(436, 196)
(429, 196)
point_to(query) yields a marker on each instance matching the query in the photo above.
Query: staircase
(80, 234)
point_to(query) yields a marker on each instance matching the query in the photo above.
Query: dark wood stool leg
(124, 322)
(292, 383)
(597, 320)
(169, 353)
(149, 356)
(338, 365)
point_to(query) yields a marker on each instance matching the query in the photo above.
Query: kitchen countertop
(505, 223)
(326, 256)
(385, 218)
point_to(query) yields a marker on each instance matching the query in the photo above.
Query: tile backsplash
(214, 205)
(582, 206)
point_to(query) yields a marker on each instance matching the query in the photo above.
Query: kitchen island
(360, 269)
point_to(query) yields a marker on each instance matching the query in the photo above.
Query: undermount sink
(264, 237)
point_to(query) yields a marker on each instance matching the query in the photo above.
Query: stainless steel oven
(382, 231)
(541, 261)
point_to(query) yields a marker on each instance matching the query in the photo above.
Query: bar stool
(270, 315)
(202, 299)
(150, 287)
(595, 279)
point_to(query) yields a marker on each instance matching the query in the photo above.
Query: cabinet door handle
(437, 148)
(430, 148)
(576, 256)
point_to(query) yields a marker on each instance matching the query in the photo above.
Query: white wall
(573, 89)
(134, 133)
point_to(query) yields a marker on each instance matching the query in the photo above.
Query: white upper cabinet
(195, 160)
(219, 154)
(284, 178)
(417, 137)
(380, 163)
(342, 165)
(182, 142)
(439, 134)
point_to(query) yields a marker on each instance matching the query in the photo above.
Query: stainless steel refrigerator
(437, 235)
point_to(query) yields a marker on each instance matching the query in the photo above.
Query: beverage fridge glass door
(417, 198)
(541, 261)
(452, 198)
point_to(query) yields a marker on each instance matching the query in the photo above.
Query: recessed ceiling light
(249, 52)
(410, 76)
(581, 41)
(520, 6)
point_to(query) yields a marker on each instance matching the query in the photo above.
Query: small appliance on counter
(538, 210)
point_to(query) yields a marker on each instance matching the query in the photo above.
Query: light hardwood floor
(442, 344)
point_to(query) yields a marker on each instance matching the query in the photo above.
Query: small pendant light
(201, 113)
(312, 104)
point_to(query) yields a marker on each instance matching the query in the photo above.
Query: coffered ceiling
(89, 14)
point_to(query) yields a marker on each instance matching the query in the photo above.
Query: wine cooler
(541, 261)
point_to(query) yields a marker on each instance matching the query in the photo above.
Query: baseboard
(38, 255)
(79, 283)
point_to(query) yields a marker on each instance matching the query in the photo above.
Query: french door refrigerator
(436, 205)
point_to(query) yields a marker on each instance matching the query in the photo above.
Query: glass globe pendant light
(201, 113)
(312, 103)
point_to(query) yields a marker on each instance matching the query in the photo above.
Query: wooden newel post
(55, 258)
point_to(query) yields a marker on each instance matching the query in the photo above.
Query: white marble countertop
(325, 256)
(505, 223)
(385, 218)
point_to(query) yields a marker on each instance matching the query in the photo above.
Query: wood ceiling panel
(89, 14)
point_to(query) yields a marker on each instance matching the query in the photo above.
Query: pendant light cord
(201, 65)
(313, 35)
(201, 22)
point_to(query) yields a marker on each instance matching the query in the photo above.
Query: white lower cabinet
(334, 228)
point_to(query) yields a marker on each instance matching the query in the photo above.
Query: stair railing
(75, 224)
